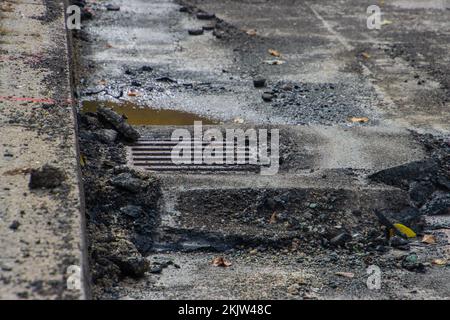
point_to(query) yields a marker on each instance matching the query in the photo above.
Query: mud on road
(310, 232)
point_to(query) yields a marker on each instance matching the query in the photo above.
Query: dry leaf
(133, 93)
(238, 120)
(359, 119)
(345, 274)
(274, 53)
(82, 160)
(251, 32)
(365, 55)
(273, 218)
(386, 22)
(428, 238)
(220, 262)
(439, 262)
(405, 230)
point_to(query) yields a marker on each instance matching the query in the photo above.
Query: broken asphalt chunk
(438, 205)
(205, 16)
(411, 263)
(14, 225)
(46, 177)
(119, 123)
(399, 243)
(166, 79)
(112, 7)
(147, 69)
(341, 239)
(420, 192)
(128, 182)
(106, 135)
(195, 32)
(209, 27)
(401, 176)
(132, 211)
(259, 83)
(130, 262)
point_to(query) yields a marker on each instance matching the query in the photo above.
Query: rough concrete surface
(41, 206)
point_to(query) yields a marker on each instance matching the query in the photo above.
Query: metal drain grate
(156, 155)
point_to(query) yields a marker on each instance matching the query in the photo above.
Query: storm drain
(157, 155)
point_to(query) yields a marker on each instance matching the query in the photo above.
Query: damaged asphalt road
(364, 130)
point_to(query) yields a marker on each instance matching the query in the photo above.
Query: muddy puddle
(138, 115)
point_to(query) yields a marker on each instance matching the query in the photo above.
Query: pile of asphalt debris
(427, 181)
(308, 103)
(121, 204)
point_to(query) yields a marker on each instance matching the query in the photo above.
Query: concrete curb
(43, 250)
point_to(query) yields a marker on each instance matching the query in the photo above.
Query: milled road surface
(333, 68)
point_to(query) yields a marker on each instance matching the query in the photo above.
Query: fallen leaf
(274, 53)
(359, 119)
(365, 55)
(439, 262)
(386, 22)
(251, 32)
(82, 160)
(238, 120)
(428, 238)
(133, 93)
(273, 218)
(220, 262)
(275, 62)
(405, 230)
(345, 274)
